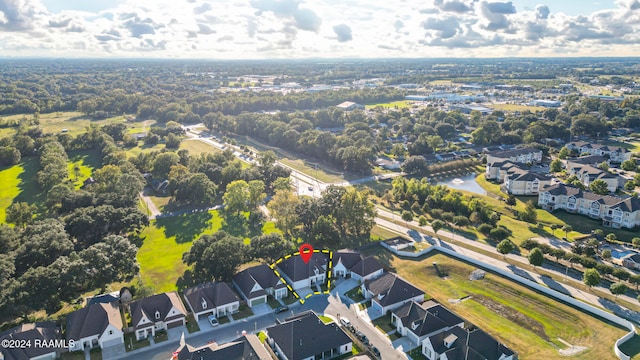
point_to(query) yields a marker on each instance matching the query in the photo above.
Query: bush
(499, 233)
(529, 244)
(485, 229)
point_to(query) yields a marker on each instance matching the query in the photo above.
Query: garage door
(174, 324)
(258, 301)
(113, 342)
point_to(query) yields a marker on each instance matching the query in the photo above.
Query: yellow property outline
(297, 253)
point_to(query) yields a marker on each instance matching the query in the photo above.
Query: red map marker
(306, 251)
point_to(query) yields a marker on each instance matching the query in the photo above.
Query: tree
(416, 164)
(437, 225)
(604, 166)
(215, 256)
(283, 208)
(536, 257)
(41, 243)
(611, 237)
(422, 220)
(555, 166)
(505, 247)
(567, 229)
(113, 259)
(355, 214)
(511, 200)
(628, 165)
(256, 193)
(20, 214)
(621, 274)
(599, 187)
(606, 254)
(635, 241)
(9, 156)
(498, 234)
(407, 216)
(281, 184)
(618, 289)
(236, 197)
(630, 185)
(196, 189)
(529, 214)
(163, 163)
(269, 247)
(564, 153)
(591, 277)
(172, 141)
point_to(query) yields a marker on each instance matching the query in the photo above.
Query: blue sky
(240, 29)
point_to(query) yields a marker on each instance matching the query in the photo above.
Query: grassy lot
(161, 336)
(325, 319)
(197, 147)
(10, 180)
(243, 312)
(166, 239)
(633, 146)
(273, 303)
(527, 322)
(355, 294)
(85, 162)
(383, 324)
(515, 107)
(130, 342)
(301, 165)
(75, 122)
(416, 353)
(394, 104)
(144, 148)
(18, 184)
(192, 324)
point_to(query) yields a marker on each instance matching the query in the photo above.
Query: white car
(213, 321)
(345, 322)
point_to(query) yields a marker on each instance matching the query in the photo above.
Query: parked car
(213, 320)
(281, 309)
(345, 322)
(376, 352)
(310, 188)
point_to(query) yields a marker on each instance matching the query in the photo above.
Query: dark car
(281, 309)
(376, 352)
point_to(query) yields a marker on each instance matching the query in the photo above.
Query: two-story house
(97, 325)
(418, 321)
(302, 275)
(155, 313)
(389, 292)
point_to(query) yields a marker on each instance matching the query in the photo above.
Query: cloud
(307, 19)
(202, 8)
(225, 38)
(19, 15)
(205, 29)
(344, 32)
(501, 7)
(456, 6)
(446, 27)
(59, 23)
(542, 12)
(398, 25)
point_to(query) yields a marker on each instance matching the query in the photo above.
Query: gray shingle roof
(295, 268)
(93, 320)
(366, 266)
(262, 275)
(246, 347)
(34, 331)
(161, 303)
(469, 345)
(391, 289)
(426, 318)
(215, 294)
(306, 335)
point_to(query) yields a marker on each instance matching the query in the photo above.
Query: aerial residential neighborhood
(315, 180)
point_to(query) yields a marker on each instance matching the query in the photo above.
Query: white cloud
(318, 28)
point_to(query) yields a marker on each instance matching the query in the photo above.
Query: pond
(466, 182)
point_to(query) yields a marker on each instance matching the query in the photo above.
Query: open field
(10, 180)
(515, 107)
(394, 104)
(166, 239)
(85, 162)
(18, 184)
(526, 321)
(197, 147)
(75, 122)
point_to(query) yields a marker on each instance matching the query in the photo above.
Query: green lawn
(10, 180)
(197, 147)
(527, 322)
(75, 122)
(393, 104)
(325, 319)
(166, 239)
(244, 312)
(86, 162)
(516, 107)
(384, 324)
(18, 184)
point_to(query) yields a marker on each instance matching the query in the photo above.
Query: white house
(255, 283)
(300, 275)
(616, 154)
(156, 312)
(418, 321)
(215, 298)
(523, 155)
(97, 325)
(389, 292)
(463, 344)
(352, 264)
(614, 211)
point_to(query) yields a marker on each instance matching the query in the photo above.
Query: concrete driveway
(403, 344)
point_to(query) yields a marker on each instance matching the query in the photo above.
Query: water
(620, 254)
(468, 183)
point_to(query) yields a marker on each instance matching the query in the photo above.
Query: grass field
(515, 107)
(300, 165)
(18, 184)
(524, 320)
(10, 180)
(86, 162)
(166, 239)
(75, 122)
(394, 104)
(197, 147)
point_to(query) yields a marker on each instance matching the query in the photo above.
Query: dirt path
(153, 211)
